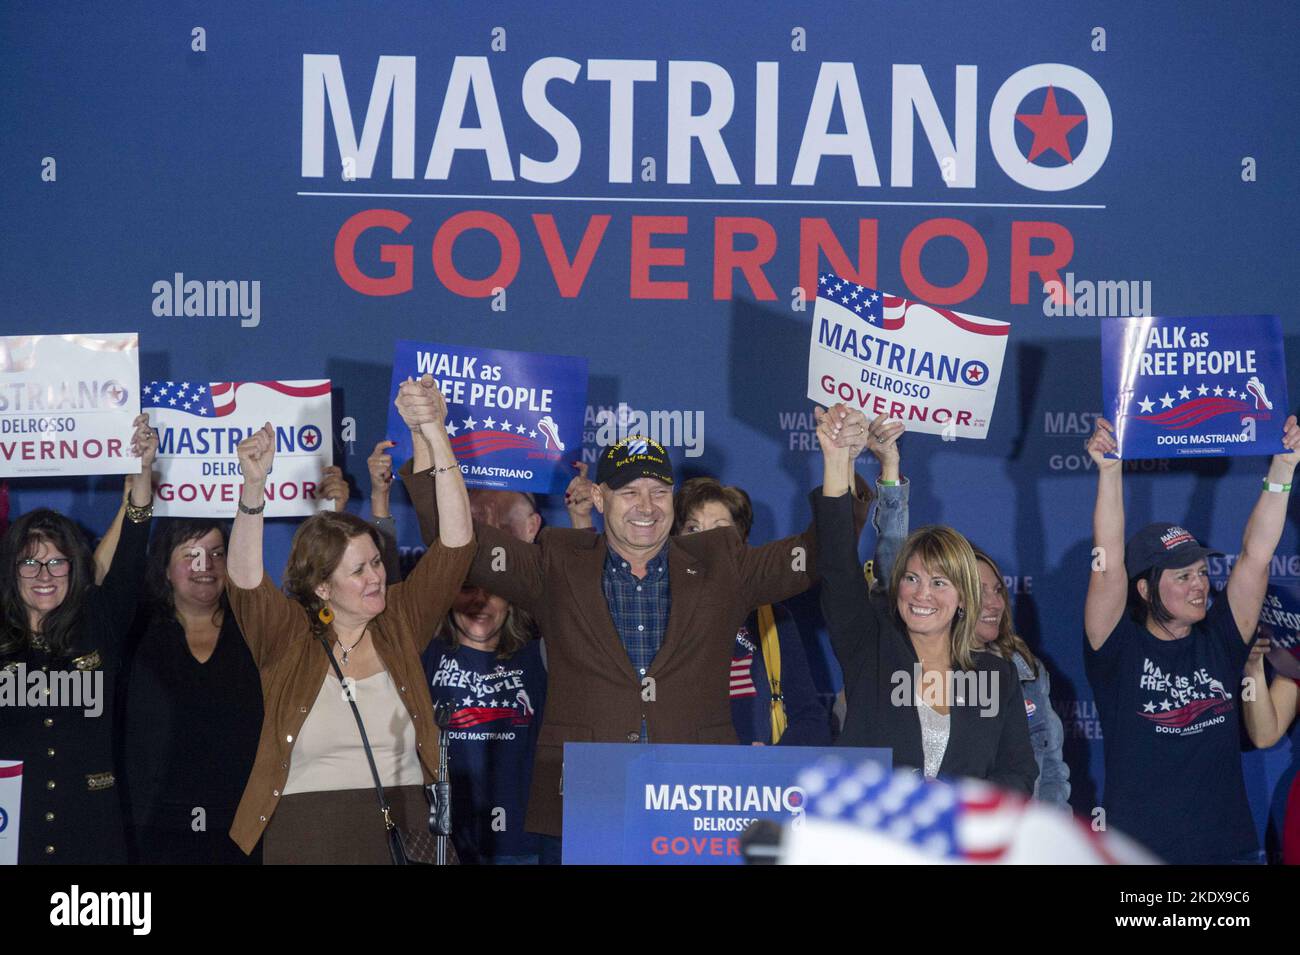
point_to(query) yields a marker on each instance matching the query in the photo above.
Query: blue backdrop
(647, 186)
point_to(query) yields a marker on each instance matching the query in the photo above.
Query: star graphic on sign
(469, 423)
(147, 390)
(1217, 390)
(1146, 404)
(203, 411)
(1232, 393)
(1165, 705)
(505, 425)
(489, 423)
(184, 385)
(162, 392)
(1184, 393)
(823, 280)
(1149, 708)
(1201, 389)
(520, 429)
(858, 307)
(452, 429)
(1166, 400)
(1050, 128)
(171, 401)
(187, 404)
(532, 434)
(170, 383)
(874, 296)
(201, 389)
(466, 702)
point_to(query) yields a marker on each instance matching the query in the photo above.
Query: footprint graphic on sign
(1256, 388)
(548, 427)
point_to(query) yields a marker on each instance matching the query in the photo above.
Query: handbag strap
(772, 662)
(365, 740)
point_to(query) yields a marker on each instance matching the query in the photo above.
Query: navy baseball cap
(636, 456)
(1162, 546)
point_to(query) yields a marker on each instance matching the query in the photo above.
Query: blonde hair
(945, 552)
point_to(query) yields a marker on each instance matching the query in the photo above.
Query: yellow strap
(772, 661)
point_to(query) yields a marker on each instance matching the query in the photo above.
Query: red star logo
(1050, 129)
(308, 439)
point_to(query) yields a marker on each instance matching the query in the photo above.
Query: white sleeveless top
(328, 755)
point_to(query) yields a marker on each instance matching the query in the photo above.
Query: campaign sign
(935, 369)
(1279, 621)
(11, 801)
(665, 804)
(67, 403)
(514, 418)
(201, 423)
(1194, 387)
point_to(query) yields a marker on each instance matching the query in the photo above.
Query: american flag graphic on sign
(217, 399)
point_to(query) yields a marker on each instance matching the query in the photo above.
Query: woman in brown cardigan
(311, 791)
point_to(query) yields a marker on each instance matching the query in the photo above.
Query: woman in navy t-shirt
(486, 662)
(1167, 678)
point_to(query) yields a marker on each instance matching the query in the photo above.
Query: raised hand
(380, 466)
(257, 455)
(420, 402)
(1291, 440)
(882, 442)
(579, 496)
(144, 442)
(1101, 444)
(839, 433)
(436, 403)
(333, 487)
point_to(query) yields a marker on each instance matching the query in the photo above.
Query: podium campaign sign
(1194, 387)
(663, 804)
(933, 368)
(67, 403)
(201, 423)
(11, 801)
(514, 418)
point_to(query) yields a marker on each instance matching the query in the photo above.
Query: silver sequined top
(935, 728)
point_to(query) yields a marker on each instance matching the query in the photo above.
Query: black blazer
(871, 650)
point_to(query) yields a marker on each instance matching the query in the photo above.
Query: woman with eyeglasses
(61, 638)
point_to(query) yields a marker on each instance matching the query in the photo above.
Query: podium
(673, 804)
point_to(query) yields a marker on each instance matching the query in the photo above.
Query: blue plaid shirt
(639, 607)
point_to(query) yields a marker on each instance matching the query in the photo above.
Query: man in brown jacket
(639, 625)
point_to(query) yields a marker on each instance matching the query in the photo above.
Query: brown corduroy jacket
(293, 664)
(593, 693)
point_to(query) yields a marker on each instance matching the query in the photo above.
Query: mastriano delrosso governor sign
(934, 369)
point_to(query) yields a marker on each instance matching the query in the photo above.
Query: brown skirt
(340, 827)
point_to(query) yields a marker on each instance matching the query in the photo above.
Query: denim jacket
(1046, 734)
